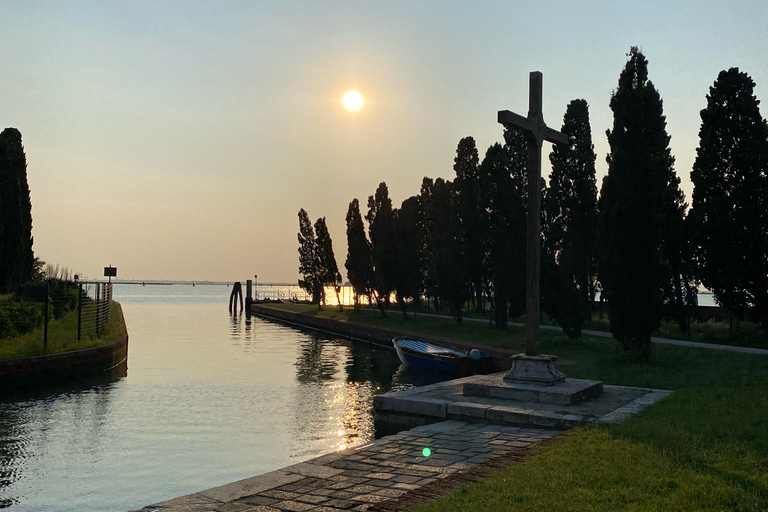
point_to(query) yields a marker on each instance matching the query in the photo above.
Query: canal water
(207, 399)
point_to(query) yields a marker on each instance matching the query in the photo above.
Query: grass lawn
(62, 336)
(703, 448)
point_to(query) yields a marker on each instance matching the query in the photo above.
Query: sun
(353, 101)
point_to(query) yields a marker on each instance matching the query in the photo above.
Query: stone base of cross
(533, 367)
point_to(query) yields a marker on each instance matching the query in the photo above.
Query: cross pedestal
(533, 367)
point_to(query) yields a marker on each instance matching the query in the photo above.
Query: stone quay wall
(500, 358)
(33, 371)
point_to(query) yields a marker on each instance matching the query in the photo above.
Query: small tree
(359, 265)
(730, 197)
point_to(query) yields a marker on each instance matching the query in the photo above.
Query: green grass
(62, 336)
(745, 334)
(703, 448)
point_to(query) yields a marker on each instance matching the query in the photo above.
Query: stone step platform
(358, 478)
(402, 410)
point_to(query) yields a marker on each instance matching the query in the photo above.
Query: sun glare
(353, 101)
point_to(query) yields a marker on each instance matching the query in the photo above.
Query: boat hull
(432, 357)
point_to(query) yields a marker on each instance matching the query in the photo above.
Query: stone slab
(569, 392)
(421, 406)
(314, 470)
(249, 486)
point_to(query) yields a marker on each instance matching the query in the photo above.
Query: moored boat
(428, 355)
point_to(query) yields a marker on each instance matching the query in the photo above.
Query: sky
(178, 140)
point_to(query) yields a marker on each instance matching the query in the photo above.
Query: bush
(18, 318)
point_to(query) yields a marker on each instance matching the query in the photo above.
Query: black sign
(110, 271)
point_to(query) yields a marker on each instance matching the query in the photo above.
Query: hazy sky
(178, 140)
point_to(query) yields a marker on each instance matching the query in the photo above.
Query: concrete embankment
(26, 372)
(379, 335)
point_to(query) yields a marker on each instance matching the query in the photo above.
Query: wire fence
(57, 299)
(94, 303)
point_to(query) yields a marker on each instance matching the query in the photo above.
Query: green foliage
(15, 214)
(407, 221)
(730, 197)
(504, 229)
(317, 264)
(62, 336)
(442, 255)
(329, 270)
(631, 209)
(358, 264)
(470, 214)
(571, 203)
(309, 263)
(560, 298)
(381, 231)
(18, 318)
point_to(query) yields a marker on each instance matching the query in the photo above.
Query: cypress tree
(730, 197)
(381, 231)
(329, 270)
(359, 265)
(631, 208)
(16, 255)
(467, 188)
(504, 229)
(571, 205)
(309, 262)
(407, 220)
(443, 256)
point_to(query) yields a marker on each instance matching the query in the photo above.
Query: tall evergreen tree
(443, 256)
(309, 260)
(407, 220)
(359, 265)
(16, 255)
(381, 231)
(631, 208)
(329, 270)
(504, 228)
(571, 205)
(467, 187)
(730, 196)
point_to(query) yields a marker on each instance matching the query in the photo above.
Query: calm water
(207, 399)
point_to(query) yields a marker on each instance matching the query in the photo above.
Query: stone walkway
(359, 478)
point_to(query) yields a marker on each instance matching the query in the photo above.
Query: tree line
(639, 245)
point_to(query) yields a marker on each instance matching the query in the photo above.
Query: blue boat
(427, 355)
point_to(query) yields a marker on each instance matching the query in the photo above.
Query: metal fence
(60, 298)
(94, 304)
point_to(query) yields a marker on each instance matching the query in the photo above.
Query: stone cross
(537, 132)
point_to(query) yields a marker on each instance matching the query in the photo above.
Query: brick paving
(368, 476)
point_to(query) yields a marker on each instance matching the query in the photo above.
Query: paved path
(359, 478)
(603, 334)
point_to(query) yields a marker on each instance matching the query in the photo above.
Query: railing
(94, 304)
(58, 299)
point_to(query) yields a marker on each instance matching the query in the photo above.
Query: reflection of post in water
(237, 291)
